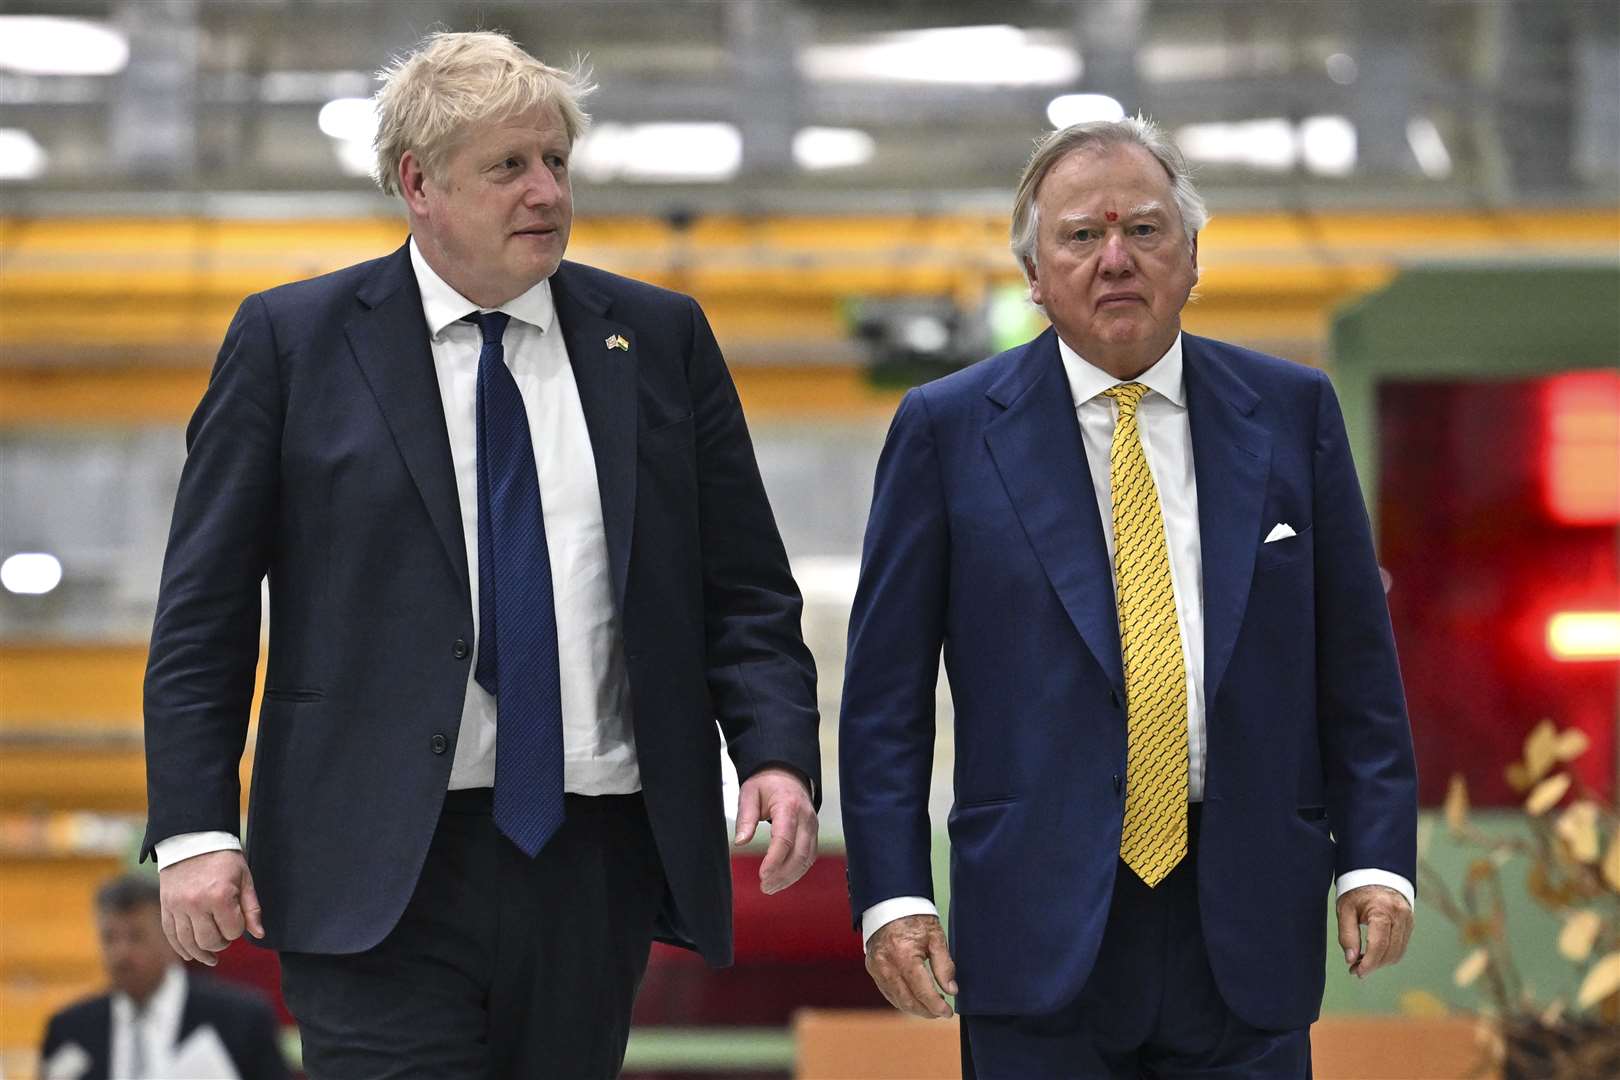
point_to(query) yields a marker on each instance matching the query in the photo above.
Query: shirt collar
(442, 305)
(1163, 378)
(167, 1000)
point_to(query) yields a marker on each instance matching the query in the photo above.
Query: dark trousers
(501, 966)
(1149, 1009)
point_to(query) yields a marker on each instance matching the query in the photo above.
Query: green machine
(1483, 407)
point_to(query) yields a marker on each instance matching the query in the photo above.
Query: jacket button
(439, 743)
(1117, 784)
(461, 650)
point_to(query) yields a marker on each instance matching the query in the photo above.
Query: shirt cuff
(885, 912)
(185, 845)
(1357, 878)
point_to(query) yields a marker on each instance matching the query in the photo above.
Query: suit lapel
(1232, 461)
(389, 339)
(1039, 454)
(606, 378)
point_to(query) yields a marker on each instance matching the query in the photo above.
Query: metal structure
(1459, 104)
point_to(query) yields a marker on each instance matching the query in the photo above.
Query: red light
(1581, 448)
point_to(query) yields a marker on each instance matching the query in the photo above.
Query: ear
(1195, 256)
(413, 183)
(1033, 275)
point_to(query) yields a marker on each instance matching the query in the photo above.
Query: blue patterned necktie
(517, 622)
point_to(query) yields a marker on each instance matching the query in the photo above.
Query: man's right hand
(208, 900)
(899, 957)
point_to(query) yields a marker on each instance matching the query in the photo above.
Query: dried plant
(1571, 857)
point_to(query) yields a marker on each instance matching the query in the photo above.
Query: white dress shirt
(157, 1027)
(599, 753)
(1167, 441)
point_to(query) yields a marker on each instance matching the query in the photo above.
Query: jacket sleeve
(886, 730)
(205, 638)
(761, 676)
(1366, 740)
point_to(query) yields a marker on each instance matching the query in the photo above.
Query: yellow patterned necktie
(1155, 834)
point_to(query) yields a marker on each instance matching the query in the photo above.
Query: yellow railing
(161, 290)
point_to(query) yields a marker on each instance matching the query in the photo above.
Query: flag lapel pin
(618, 341)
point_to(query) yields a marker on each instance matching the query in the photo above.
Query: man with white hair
(520, 560)
(1178, 713)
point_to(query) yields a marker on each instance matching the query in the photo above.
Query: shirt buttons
(439, 744)
(461, 650)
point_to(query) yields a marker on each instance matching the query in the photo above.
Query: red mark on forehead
(1111, 216)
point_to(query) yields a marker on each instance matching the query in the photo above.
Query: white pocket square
(1280, 531)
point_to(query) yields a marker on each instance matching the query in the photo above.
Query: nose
(1115, 259)
(544, 189)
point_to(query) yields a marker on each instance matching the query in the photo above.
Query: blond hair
(1101, 135)
(435, 94)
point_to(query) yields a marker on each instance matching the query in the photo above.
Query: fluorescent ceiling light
(48, 45)
(352, 123)
(1267, 145)
(31, 573)
(699, 152)
(349, 118)
(817, 148)
(357, 157)
(1428, 147)
(21, 156)
(963, 55)
(1083, 108)
(1328, 145)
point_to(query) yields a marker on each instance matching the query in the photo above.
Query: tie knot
(1129, 395)
(492, 323)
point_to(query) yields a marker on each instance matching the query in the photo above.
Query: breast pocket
(666, 438)
(1284, 552)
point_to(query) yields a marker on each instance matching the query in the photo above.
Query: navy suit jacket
(245, 1023)
(984, 538)
(319, 456)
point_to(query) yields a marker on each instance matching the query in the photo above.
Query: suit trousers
(501, 965)
(1150, 1007)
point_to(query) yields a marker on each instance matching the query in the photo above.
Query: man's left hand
(779, 796)
(1388, 919)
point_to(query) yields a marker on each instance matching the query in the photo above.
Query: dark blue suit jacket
(985, 539)
(319, 456)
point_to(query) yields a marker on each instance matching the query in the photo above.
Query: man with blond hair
(520, 560)
(1178, 713)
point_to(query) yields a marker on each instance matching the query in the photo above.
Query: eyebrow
(1146, 209)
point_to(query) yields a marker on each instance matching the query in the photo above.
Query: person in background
(1179, 716)
(158, 1020)
(520, 561)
